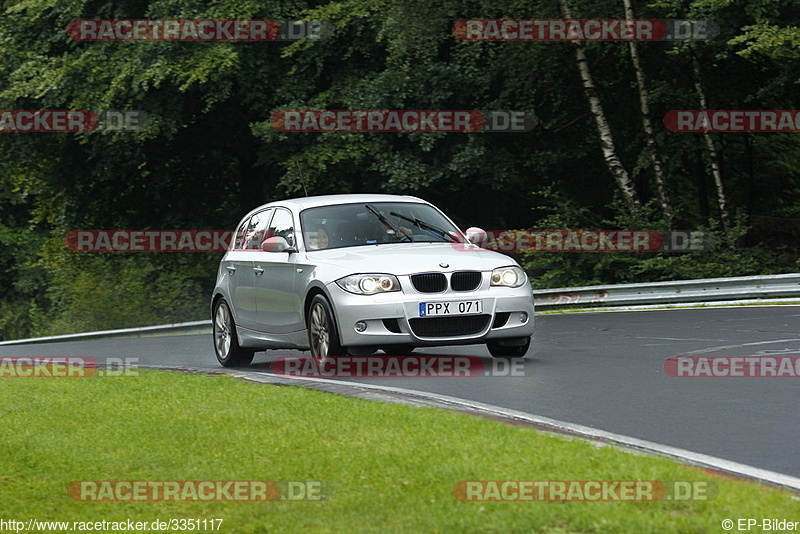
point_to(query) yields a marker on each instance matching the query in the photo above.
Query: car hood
(406, 258)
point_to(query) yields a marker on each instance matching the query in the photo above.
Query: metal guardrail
(679, 292)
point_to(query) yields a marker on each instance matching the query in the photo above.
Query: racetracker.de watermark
(197, 490)
(584, 30)
(584, 490)
(60, 120)
(395, 121)
(411, 366)
(732, 120)
(194, 30)
(733, 366)
(591, 241)
(500, 240)
(148, 240)
(66, 367)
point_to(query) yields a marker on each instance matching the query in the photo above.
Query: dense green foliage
(209, 153)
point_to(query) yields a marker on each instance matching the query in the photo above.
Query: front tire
(323, 336)
(226, 342)
(500, 350)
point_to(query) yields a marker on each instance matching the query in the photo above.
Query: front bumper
(393, 318)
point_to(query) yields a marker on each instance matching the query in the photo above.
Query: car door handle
(231, 269)
(259, 271)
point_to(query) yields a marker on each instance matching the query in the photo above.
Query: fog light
(361, 326)
(523, 317)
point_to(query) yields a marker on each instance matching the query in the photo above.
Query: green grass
(387, 467)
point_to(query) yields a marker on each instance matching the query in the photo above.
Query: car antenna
(302, 179)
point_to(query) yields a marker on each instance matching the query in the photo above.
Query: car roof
(301, 203)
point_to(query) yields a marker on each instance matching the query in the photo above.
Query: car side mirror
(276, 244)
(476, 236)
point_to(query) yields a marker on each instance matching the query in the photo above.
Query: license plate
(461, 307)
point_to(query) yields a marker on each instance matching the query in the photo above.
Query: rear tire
(226, 342)
(323, 336)
(360, 351)
(398, 350)
(498, 350)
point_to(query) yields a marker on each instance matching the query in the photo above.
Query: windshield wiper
(385, 221)
(420, 224)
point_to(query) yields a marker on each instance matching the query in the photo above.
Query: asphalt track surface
(604, 370)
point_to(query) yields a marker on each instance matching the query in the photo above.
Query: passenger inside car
(319, 239)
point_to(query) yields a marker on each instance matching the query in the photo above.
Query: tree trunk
(613, 162)
(712, 153)
(647, 125)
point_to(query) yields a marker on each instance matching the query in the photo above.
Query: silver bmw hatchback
(354, 274)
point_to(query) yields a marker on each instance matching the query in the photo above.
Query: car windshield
(374, 223)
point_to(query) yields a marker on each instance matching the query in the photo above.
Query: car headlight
(369, 284)
(508, 276)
